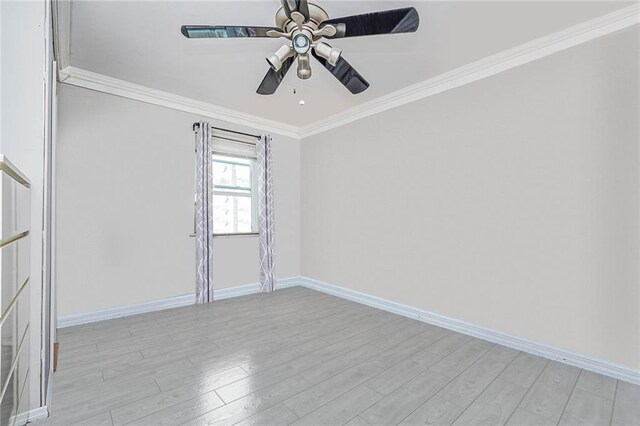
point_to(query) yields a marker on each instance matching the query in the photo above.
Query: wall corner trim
(64, 74)
(540, 349)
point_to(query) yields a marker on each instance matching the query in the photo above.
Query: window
(234, 195)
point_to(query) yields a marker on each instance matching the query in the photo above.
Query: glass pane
(222, 174)
(231, 214)
(243, 176)
(230, 172)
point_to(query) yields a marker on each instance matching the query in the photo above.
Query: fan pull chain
(301, 101)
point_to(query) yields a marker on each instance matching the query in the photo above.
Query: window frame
(253, 192)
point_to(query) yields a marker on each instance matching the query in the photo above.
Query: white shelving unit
(14, 292)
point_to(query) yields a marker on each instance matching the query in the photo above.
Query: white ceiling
(140, 42)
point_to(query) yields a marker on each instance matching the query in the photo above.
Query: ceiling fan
(304, 24)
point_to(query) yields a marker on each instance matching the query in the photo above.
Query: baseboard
(158, 305)
(578, 360)
(568, 357)
(241, 290)
(124, 311)
(171, 302)
(32, 415)
(289, 282)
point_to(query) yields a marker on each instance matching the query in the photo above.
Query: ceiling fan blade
(345, 73)
(303, 7)
(272, 79)
(208, 31)
(288, 6)
(393, 21)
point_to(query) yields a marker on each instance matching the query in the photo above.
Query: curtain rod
(196, 125)
(232, 140)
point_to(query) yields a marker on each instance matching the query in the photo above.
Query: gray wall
(125, 182)
(511, 203)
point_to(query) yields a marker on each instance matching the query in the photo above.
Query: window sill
(240, 234)
(245, 234)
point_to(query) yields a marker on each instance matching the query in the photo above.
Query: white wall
(125, 184)
(511, 203)
(24, 27)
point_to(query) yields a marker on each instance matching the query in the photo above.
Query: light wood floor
(297, 356)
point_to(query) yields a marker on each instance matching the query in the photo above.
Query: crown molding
(483, 68)
(466, 74)
(114, 86)
(64, 74)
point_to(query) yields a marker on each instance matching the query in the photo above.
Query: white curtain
(265, 214)
(204, 214)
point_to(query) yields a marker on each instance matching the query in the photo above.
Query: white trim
(32, 415)
(114, 86)
(289, 282)
(578, 360)
(568, 357)
(52, 313)
(156, 305)
(241, 290)
(483, 68)
(64, 74)
(124, 311)
(475, 71)
(61, 35)
(171, 302)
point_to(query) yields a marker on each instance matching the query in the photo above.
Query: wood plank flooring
(301, 357)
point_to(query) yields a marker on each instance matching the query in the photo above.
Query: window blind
(235, 149)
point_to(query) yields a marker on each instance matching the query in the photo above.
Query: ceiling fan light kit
(304, 23)
(304, 67)
(331, 54)
(275, 60)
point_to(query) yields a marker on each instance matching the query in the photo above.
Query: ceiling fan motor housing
(302, 39)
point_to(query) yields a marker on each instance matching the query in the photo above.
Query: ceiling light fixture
(304, 67)
(275, 60)
(331, 54)
(303, 23)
